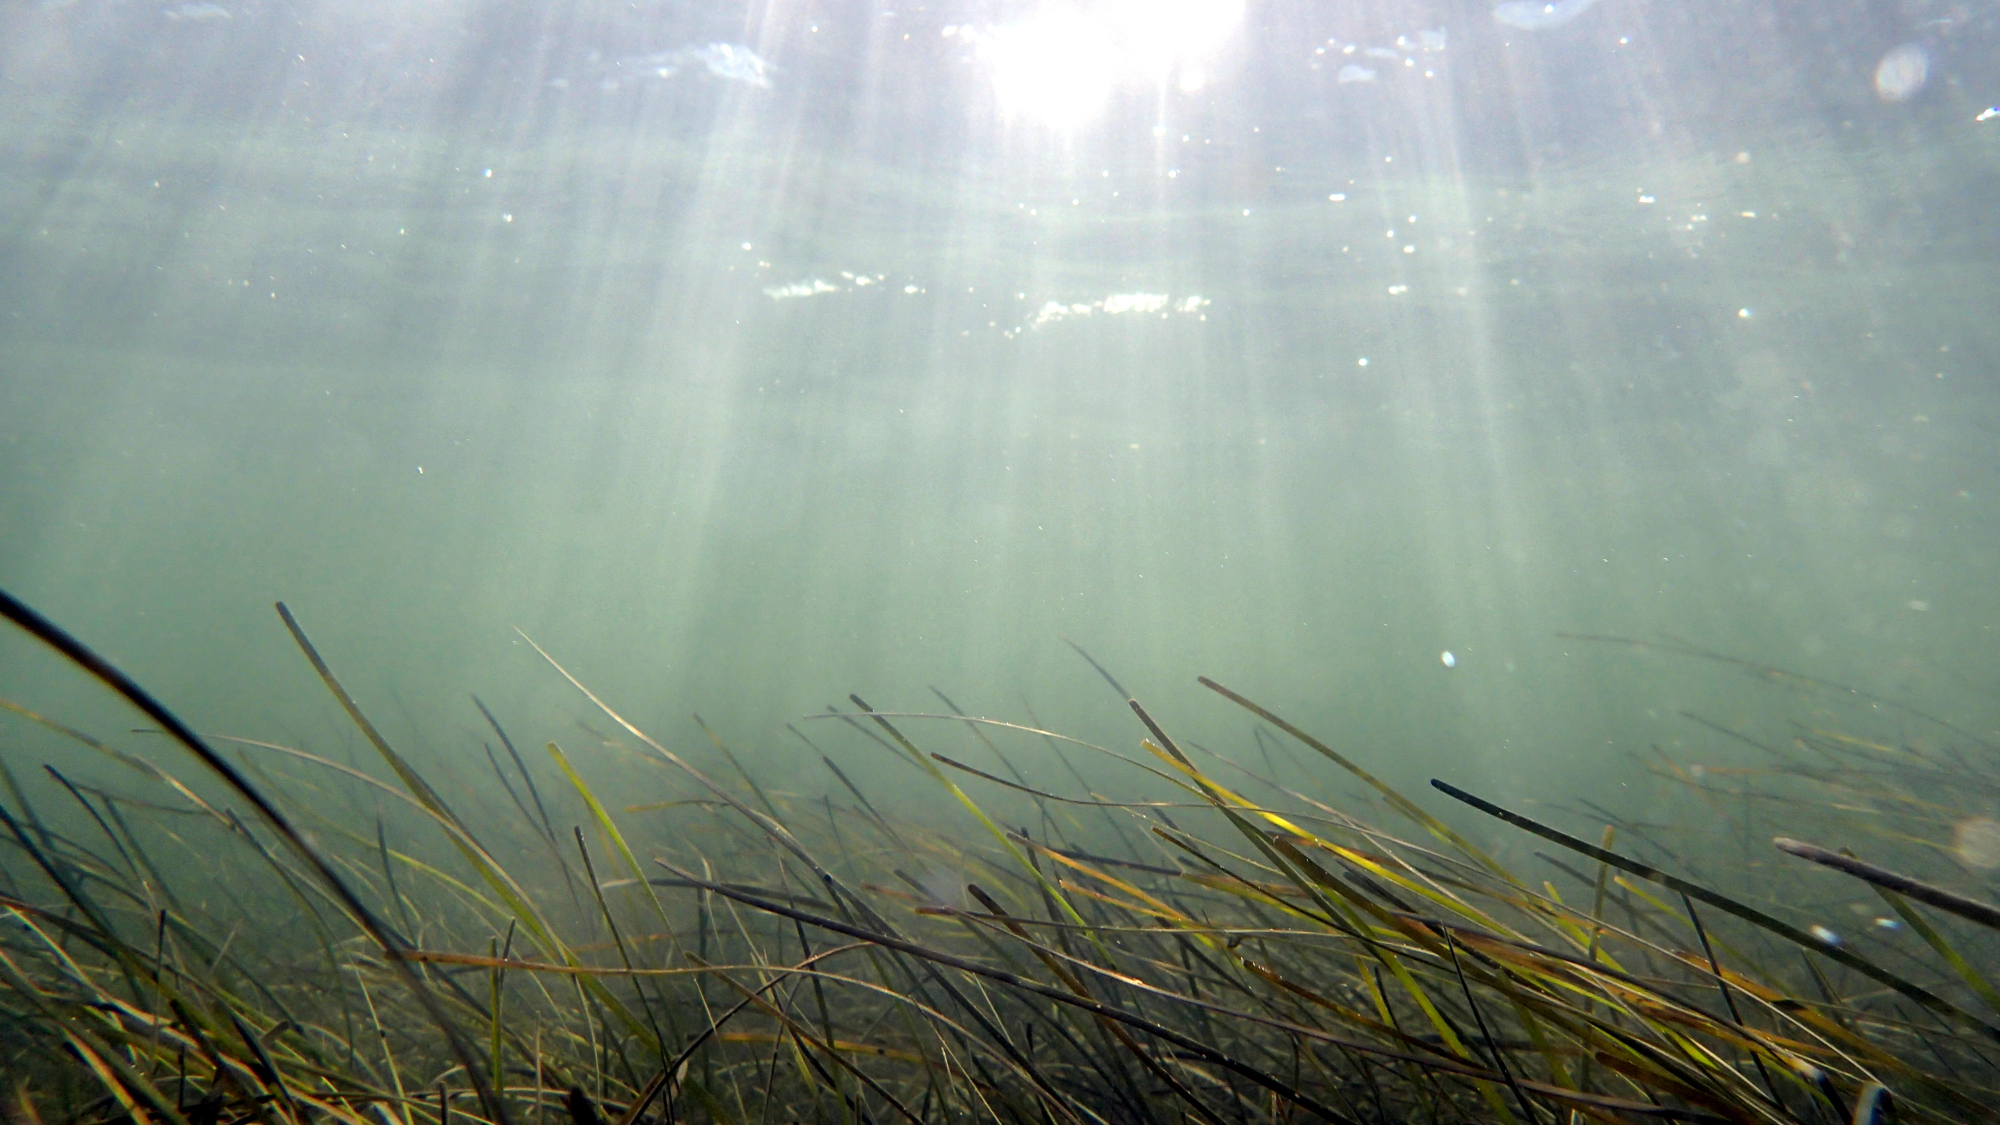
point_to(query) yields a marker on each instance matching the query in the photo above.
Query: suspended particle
(1976, 840)
(1902, 73)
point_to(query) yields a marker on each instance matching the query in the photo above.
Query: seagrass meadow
(1236, 949)
(1060, 562)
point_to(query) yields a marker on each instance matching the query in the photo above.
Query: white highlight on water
(1529, 15)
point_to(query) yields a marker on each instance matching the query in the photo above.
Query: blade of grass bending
(845, 898)
(420, 790)
(77, 653)
(409, 776)
(501, 773)
(132, 966)
(978, 733)
(939, 776)
(610, 828)
(1108, 677)
(389, 876)
(1749, 914)
(138, 850)
(517, 900)
(1014, 980)
(1042, 795)
(534, 794)
(262, 1066)
(1396, 800)
(863, 798)
(76, 793)
(1492, 1045)
(1287, 864)
(776, 829)
(1970, 909)
(1729, 998)
(1208, 1053)
(758, 790)
(618, 937)
(1077, 986)
(498, 980)
(1972, 977)
(805, 1035)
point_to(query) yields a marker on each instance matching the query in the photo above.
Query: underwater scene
(1076, 562)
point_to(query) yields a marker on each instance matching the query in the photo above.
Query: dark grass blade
(1205, 1052)
(1970, 909)
(534, 794)
(1396, 800)
(46, 631)
(1062, 996)
(1749, 914)
(409, 776)
(1108, 677)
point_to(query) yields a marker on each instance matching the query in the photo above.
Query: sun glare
(1060, 65)
(1054, 66)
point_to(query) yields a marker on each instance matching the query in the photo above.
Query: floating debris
(1447, 659)
(1824, 935)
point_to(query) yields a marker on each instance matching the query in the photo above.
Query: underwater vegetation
(1241, 952)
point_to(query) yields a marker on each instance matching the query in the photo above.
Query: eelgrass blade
(1485, 1033)
(624, 955)
(409, 776)
(1063, 996)
(1396, 800)
(843, 896)
(1075, 985)
(77, 653)
(1092, 661)
(804, 1034)
(1721, 902)
(1203, 1051)
(1330, 894)
(617, 838)
(548, 828)
(1728, 997)
(1973, 978)
(1971, 909)
(518, 902)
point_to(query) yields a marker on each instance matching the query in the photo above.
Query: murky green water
(740, 397)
